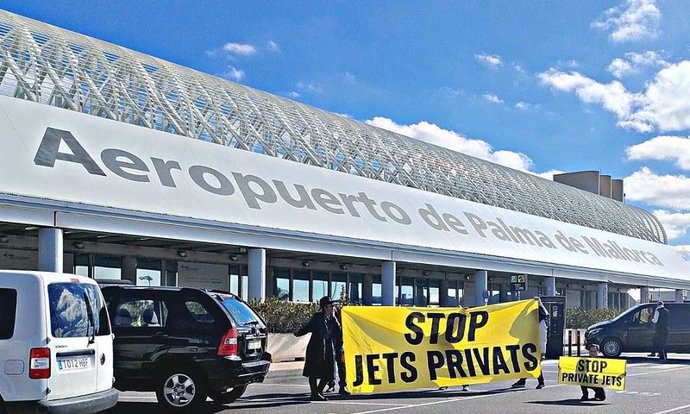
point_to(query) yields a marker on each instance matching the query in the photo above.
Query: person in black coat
(324, 345)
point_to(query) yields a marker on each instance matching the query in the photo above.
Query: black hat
(325, 301)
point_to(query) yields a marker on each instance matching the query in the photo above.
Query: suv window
(198, 311)
(141, 313)
(241, 313)
(69, 315)
(8, 312)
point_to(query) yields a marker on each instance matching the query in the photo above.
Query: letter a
(50, 144)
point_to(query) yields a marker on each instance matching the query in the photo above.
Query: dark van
(633, 330)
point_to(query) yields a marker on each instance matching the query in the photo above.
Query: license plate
(74, 364)
(255, 344)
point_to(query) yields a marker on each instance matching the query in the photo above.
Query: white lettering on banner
(63, 155)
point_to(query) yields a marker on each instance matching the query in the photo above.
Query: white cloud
(234, 74)
(669, 148)
(634, 20)
(309, 87)
(294, 94)
(523, 106)
(273, 46)
(549, 174)
(675, 224)
(663, 105)
(490, 61)
(428, 132)
(240, 49)
(635, 62)
(667, 191)
(492, 98)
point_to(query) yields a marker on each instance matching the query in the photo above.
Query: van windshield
(69, 317)
(240, 312)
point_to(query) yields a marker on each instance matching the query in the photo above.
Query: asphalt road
(651, 388)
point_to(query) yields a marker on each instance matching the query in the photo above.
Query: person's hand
(342, 358)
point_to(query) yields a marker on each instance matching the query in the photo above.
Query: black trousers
(598, 392)
(661, 337)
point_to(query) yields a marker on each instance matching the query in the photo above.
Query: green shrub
(578, 318)
(284, 317)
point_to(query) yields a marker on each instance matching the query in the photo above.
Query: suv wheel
(611, 347)
(181, 390)
(230, 396)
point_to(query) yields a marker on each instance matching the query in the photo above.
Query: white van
(56, 348)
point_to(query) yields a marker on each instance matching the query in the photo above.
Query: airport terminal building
(119, 165)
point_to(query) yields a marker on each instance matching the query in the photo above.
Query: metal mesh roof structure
(45, 64)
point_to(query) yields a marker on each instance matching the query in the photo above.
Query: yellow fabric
(393, 348)
(592, 372)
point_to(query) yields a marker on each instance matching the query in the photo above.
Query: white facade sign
(62, 155)
(203, 276)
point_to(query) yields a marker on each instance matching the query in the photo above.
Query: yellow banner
(592, 372)
(391, 348)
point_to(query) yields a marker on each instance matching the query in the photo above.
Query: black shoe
(540, 386)
(600, 397)
(317, 397)
(651, 355)
(584, 398)
(442, 388)
(343, 391)
(519, 384)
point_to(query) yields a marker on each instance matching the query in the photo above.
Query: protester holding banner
(543, 329)
(325, 342)
(599, 393)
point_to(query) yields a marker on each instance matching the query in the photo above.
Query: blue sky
(541, 86)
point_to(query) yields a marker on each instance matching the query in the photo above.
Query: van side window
(8, 312)
(643, 316)
(141, 313)
(198, 311)
(69, 317)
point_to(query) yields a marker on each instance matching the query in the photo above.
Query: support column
(256, 269)
(443, 299)
(680, 294)
(550, 286)
(368, 290)
(503, 293)
(644, 294)
(388, 283)
(50, 248)
(481, 282)
(602, 295)
(129, 271)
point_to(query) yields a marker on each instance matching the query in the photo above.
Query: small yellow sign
(592, 372)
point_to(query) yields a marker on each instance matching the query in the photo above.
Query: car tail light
(39, 363)
(228, 345)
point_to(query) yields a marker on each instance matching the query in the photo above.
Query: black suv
(185, 344)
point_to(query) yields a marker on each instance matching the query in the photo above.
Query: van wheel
(181, 390)
(230, 396)
(611, 347)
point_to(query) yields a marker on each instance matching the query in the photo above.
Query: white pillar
(644, 294)
(388, 283)
(602, 295)
(550, 286)
(50, 249)
(680, 294)
(256, 260)
(481, 281)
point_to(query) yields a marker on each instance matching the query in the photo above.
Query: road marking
(672, 409)
(502, 393)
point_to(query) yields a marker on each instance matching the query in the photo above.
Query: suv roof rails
(114, 282)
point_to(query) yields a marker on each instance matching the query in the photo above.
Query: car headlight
(593, 332)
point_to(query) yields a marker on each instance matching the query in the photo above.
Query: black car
(634, 331)
(185, 344)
